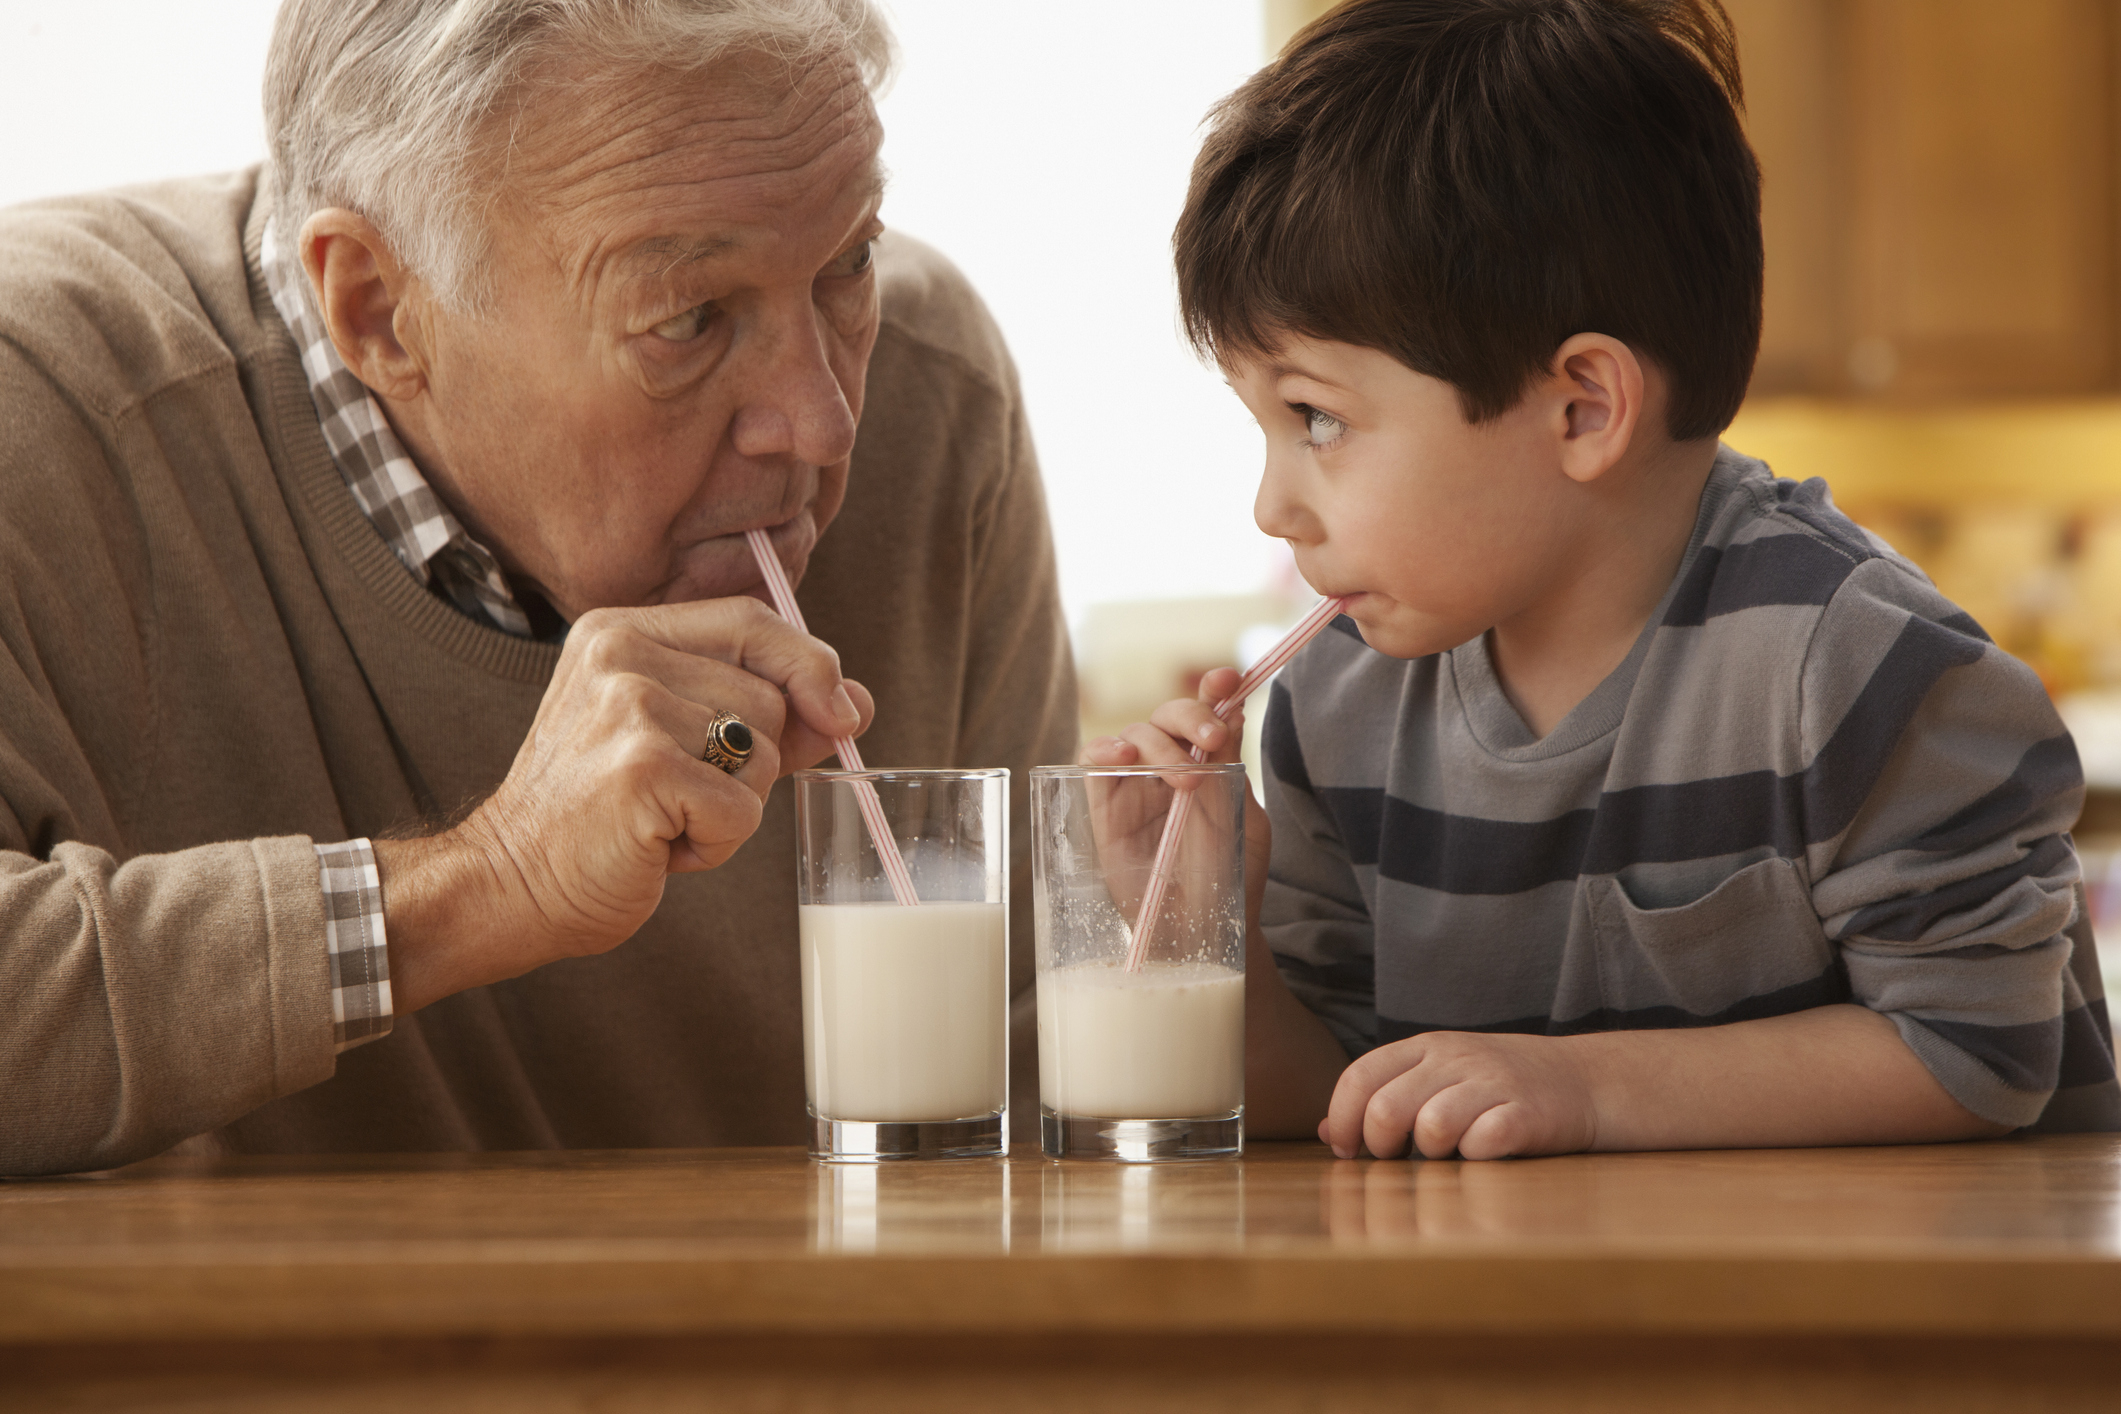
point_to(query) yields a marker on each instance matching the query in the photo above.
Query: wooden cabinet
(1939, 190)
(1940, 193)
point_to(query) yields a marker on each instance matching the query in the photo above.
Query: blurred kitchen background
(1942, 292)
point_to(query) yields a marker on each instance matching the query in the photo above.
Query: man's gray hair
(381, 106)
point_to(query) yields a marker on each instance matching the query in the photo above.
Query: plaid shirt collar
(389, 489)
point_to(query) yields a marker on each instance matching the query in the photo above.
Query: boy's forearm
(1291, 1060)
(1831, 1075)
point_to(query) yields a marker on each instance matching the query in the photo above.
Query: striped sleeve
(1314, 915)
(1940, 790)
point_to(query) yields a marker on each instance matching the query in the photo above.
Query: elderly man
(372, 569)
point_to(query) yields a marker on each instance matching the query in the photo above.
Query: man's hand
(608, 795)
(1481, 1097)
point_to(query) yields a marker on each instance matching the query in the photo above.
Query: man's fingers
(742, 633)
(632, 703)
(710, 682)
(803, 746)
(718, 813)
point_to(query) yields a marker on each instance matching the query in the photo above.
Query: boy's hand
(1130, 818)
(1483, 1097)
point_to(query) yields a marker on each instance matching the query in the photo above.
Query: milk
(905, 1010)
(1167, 1042)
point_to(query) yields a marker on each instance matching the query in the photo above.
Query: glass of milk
(1147, 1063)
(905, 1008)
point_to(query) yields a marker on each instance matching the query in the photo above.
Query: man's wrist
(448, 909)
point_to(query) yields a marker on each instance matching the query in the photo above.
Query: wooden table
(1945, 1278)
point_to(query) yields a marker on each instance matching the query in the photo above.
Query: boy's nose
(1276, 510)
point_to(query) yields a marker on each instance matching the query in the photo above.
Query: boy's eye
(854, 260)
(684, 328)
(1320, 427)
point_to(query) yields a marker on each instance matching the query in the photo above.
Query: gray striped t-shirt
(1814, 780)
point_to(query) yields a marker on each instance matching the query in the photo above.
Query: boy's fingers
(1440, 1125)
(1218, 683)
(1343, 1128)
(1397, 1115)
(1154, 746)
(1194, 724)
(1109, 751)
(1499, 1132)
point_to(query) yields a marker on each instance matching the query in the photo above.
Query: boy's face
(1436, 529)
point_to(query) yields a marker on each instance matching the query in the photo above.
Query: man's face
(1438, 528)
(682, 318)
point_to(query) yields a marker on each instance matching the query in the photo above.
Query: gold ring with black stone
(729, 743)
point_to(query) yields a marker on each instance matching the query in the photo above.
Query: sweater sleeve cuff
(354, 940)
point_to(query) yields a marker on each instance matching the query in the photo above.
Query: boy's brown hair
(1464, 184)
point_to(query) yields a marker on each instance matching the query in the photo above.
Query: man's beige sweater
(209, 660)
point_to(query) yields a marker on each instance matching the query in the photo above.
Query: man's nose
(794, 405)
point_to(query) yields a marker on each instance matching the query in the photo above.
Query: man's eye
(853, 261)
(686, 327)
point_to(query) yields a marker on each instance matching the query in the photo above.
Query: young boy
(1641, 800)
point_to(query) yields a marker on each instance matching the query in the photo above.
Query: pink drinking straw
(850, 759)
(1175, 823)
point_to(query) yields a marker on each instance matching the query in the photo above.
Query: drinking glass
(1147, 1062)
(905, 1008)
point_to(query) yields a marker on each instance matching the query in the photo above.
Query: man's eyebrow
(659, 255)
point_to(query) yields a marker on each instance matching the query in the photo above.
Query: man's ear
(1599, 382)
(362, 292)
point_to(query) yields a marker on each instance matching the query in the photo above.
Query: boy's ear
(1599, 383)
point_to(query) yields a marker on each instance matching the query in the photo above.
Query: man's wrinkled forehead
(604, 151)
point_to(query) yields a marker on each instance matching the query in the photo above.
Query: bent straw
(850, 759)
(1175, 823)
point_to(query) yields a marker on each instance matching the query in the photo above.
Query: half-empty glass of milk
(905, 1007)
(1145, 1062)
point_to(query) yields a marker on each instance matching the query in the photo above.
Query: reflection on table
(1954, 1276)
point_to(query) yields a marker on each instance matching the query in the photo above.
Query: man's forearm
(222, 1002)
(1831, 1075)
(441, 899)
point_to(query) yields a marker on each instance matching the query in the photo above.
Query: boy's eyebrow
(1282, 368)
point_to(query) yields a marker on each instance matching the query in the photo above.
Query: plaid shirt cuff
(353, 936)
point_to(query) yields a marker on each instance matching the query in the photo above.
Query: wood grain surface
(1940, 1271)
